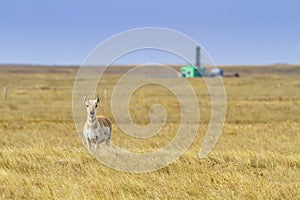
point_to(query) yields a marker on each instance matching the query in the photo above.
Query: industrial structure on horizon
(192, 71)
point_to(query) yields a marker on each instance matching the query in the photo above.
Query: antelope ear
(85, 99)
(98, 99)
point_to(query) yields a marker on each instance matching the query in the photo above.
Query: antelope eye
(87, 105)
(96, 106)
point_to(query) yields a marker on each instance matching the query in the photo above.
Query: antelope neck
(92, 122)
(91, 119)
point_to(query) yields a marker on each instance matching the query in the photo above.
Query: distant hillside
(242, 70)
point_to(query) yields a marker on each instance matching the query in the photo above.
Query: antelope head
(91, 106)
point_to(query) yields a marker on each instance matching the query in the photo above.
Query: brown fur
(104, 122)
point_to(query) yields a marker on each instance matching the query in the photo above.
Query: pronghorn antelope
(97, 129)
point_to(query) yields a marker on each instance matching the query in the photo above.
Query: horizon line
(129, 65)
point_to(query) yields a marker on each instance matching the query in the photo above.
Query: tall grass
(42, 156)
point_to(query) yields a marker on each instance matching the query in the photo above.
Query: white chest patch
(92, 133)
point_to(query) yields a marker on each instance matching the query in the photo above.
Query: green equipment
(190, 71)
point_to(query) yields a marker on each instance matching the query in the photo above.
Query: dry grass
(257, 157)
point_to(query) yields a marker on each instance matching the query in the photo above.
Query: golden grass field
(257, 156)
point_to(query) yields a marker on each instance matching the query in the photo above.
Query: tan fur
(104, 122)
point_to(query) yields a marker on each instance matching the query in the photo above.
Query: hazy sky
(232, 31)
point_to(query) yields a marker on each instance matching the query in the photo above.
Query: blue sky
(63, 32)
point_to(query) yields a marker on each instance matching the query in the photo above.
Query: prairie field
(256, 157)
